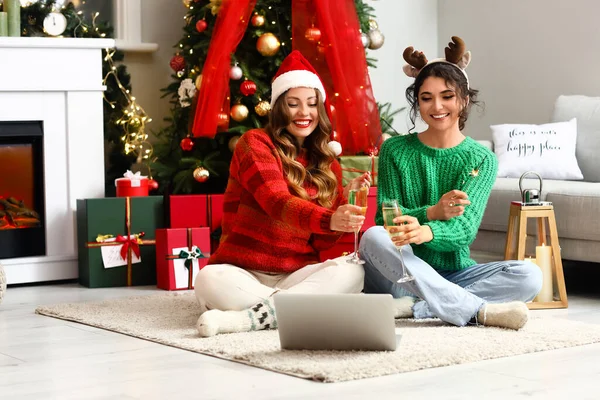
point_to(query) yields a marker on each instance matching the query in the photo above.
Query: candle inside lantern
(543, 256)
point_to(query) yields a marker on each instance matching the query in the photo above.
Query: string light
(134, 118)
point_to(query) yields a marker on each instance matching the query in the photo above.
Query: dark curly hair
(453, 78)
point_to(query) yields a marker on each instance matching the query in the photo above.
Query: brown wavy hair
(318, 171)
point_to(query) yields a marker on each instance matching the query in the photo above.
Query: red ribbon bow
(128, 242)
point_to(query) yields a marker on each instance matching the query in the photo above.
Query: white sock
(258, 317)
(403, 307)
(512, 315)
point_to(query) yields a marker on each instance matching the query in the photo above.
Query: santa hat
(295, 71)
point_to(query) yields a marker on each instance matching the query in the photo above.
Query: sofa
(576, 202)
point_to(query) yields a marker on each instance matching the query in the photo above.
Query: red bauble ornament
(372, 151)
(177, 63)
(257, 20)
(201, 174)
(186, 144)
(313, 34)
(152, 184)
(201, 25)
(248, 88)
(222, 119)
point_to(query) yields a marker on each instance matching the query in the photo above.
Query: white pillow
(547, 149)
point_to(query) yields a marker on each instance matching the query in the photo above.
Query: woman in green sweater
(442, 180)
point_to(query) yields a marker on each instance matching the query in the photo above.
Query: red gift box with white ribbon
(132, 185)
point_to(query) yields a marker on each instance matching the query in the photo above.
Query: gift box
(354, 166)
(215, 213)
(345, 245)
(180, 254)
(371, 209)
(188, 211)
(115, 240)
(132, 185)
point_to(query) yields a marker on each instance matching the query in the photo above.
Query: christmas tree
(222, 71)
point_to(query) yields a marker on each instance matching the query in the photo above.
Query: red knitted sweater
(265, 227)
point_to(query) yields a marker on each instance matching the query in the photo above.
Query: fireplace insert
(22, 222)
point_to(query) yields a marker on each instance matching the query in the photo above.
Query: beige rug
(170, 319)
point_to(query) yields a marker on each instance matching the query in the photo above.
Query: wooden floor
(46, 358)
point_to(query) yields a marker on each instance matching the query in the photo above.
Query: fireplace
(67, 106)
(22, 231)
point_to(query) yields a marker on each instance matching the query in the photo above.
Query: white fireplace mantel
(57, 81)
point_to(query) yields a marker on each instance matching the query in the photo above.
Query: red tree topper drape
(213, 97)
(340, 60)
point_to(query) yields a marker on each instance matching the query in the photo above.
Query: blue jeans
(453, 296)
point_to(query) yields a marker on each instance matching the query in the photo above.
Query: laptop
(336, 321)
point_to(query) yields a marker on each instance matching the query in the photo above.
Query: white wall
(404, 23)
(162, 23)
(525, 54)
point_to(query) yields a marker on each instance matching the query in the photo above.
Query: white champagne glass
(358, 198)
(391, 210)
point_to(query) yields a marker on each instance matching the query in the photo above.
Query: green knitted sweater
(418, 175)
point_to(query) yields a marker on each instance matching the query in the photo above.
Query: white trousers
(227, 287)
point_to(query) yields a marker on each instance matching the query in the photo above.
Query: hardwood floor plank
(42, 357)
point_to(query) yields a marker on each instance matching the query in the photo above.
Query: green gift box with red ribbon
(354, 166)
(125, 227)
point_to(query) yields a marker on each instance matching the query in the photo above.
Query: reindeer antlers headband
(455, 55)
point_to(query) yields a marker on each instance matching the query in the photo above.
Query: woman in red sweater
(284, 203)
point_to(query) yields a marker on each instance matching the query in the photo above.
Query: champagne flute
(391, 210)
(358, 198)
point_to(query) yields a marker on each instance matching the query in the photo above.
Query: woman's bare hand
(347, 218)
(450, 205)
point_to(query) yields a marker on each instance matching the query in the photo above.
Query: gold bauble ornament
(198, 81)
(239, 112)
(201, 174)
(262, 108)
(373, 24)
(257, 20)
(267, 44)
(215, 6)
(187, 3)
(232, 142)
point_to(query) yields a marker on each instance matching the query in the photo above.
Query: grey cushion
(587, 111)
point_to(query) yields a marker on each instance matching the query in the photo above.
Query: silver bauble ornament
(364, 38)
(235, 73)
(376, 39)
